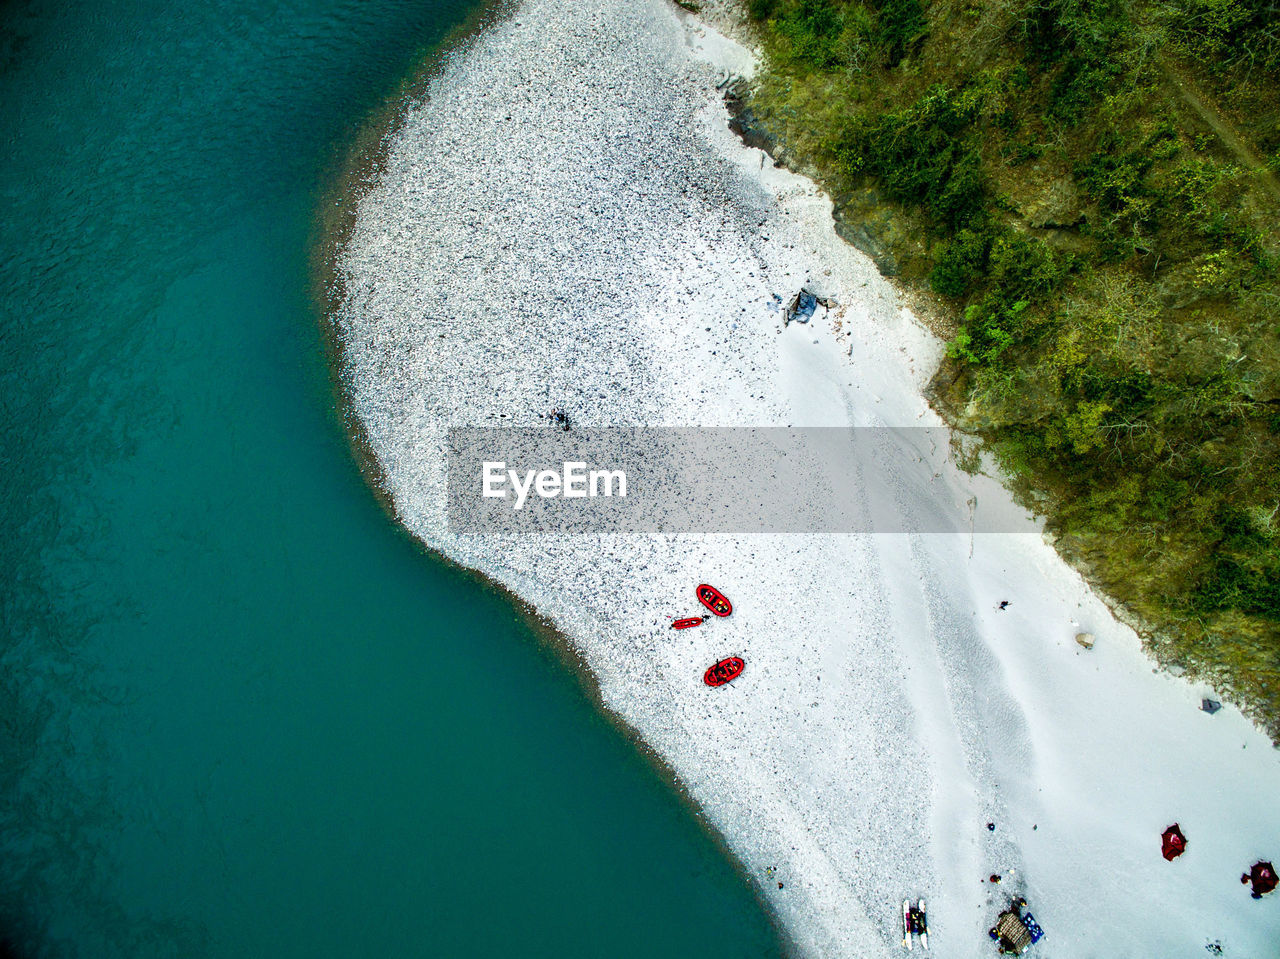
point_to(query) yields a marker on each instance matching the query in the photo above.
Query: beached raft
(714, 600)
(687, 623)
(725, 671)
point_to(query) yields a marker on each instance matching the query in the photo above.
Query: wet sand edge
(345, 180)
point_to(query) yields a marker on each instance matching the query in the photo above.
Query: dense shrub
(1245, 574)
(962, 262)
(810, 34)
(900, 24)
(1229, 32)
(923, 155)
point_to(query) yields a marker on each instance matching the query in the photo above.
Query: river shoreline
(349, 174)
(352, 173)
(563, 225)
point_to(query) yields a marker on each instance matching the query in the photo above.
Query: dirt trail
(1224, 129)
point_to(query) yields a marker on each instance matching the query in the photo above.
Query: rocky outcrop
(744, 122)
(883, 232)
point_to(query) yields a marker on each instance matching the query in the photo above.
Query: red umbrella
(1172, 843)
(1263, 877)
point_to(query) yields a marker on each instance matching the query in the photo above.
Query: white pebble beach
(564, 219)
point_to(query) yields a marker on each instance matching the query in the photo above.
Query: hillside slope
(1091, 187)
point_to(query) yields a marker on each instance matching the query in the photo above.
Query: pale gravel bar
(565, 221)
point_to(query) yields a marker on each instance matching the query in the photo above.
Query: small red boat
(714, 600)
(1172, 843)
(686, 623)
(725, 671)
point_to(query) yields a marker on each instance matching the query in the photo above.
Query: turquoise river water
(240, 713)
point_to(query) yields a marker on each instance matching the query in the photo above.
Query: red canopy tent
(1263, 877)
(1172, 843)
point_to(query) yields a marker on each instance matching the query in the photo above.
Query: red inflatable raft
(714, 600)
(725, 671)
(1172, 843)
(686, 623)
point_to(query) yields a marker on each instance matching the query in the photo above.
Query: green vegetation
(1092, 185)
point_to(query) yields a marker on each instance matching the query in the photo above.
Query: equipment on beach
(1172, 843)
(724, 672)
(801, 307)
(1262, 876)
(1015, 931)
(687, 623)
(914, 920)
(714, 600)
